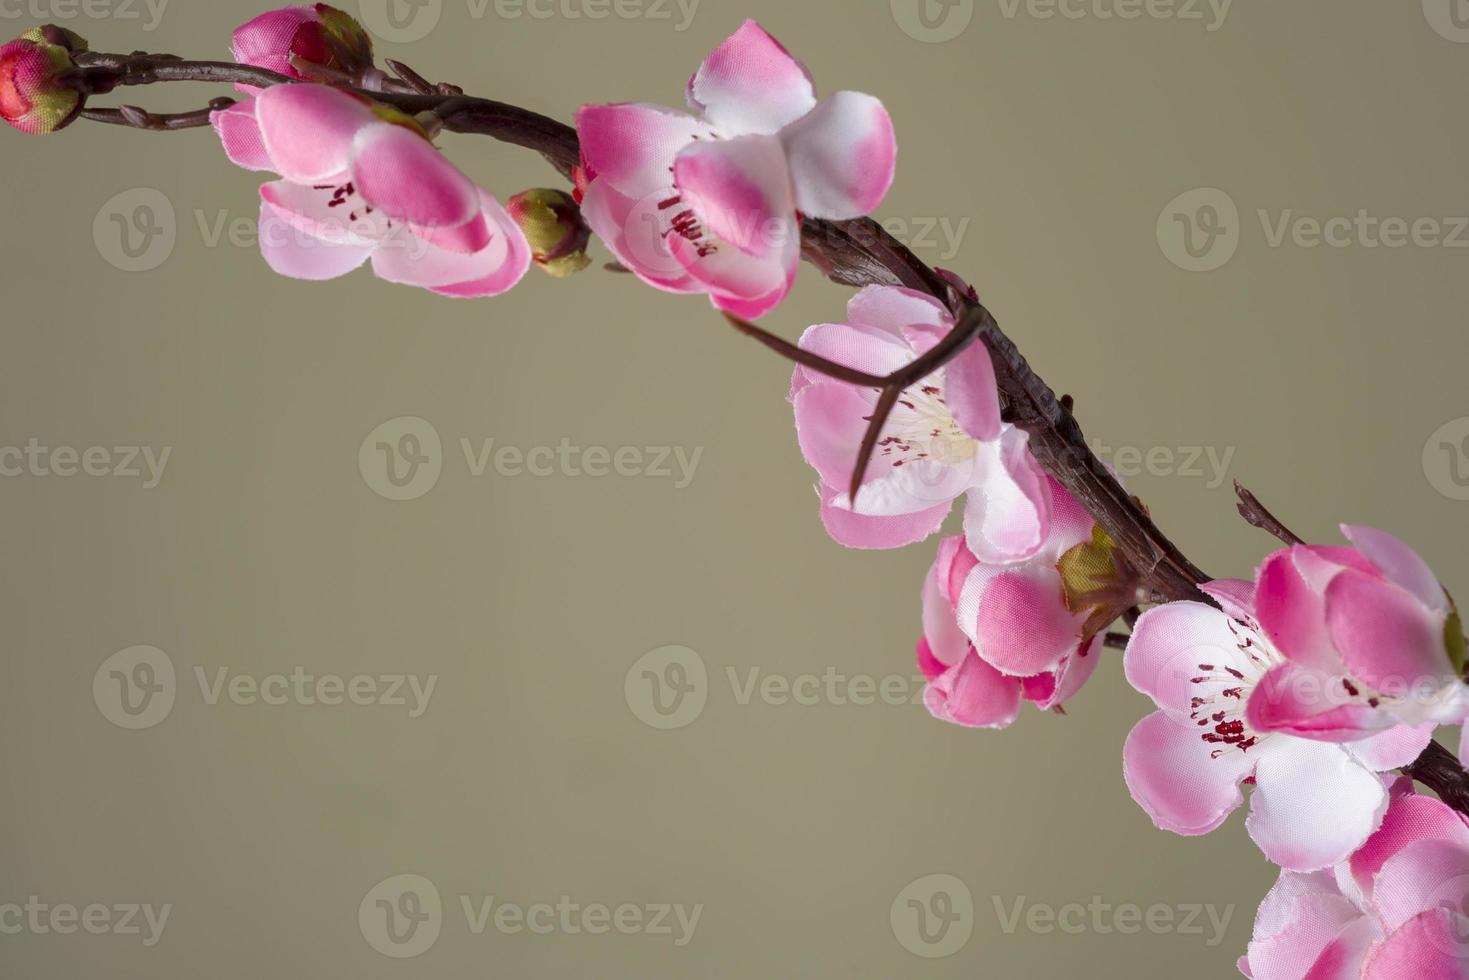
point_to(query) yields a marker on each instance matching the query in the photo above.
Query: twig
(1256, 515)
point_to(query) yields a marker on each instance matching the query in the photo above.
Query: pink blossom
(944, 441)
(1370, 641)
(1396, 910)
(995, 635)
(31, 98)
(709, 203)
(1313, 803)
(363, 182)
(294, 41)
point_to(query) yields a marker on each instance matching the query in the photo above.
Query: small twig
(416, 81)
(1118, 641)
(138, 118)
(1256, 515)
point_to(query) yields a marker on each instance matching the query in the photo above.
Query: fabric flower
(293, 41)
(363, 182)
(1370, 639)
(709, 203)
(995, 635)
(1314, 802)
(1396, 910)
(945, 439)
(31, 98)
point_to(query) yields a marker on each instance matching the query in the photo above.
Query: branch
(854, 253)
(1256, 515)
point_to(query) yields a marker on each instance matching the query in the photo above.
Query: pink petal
(1401, 564)
(753, 308)
(946, 641)
(1008, 514)
(1024, 627)
(740, 191)
(513, 266)
(1313, 803)
(401, 173)
(1312, 704)
(860, 348)
(1425, 874)
(974, 695)
(751, 84)
(891, 308)
(1070, 676)
(751, 285)
(843, 157)
(265, 41)
(1168, 647)
(309, 209)
(972, 395)
(309, 130)
(1409, 820)
(1292, 612)
(1428, 947)
(932, 667)
(635, 230)
(879, 533)
(240, 135)
(632, 145)
(292, 252)
(1394, 748)
(1172, 775)
(1344, 957)
(1387, 637)
(1298, 920)
(1237, 596)
(492, 270)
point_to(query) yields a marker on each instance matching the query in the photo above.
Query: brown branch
(1256, 515)
(854, 253)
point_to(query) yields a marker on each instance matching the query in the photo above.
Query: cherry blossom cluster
(1308, 684)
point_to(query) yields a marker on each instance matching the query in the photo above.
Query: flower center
(922, 429)
(1221, 691)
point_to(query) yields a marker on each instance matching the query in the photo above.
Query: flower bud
(294, 40)
(32, 99)
(554, 227)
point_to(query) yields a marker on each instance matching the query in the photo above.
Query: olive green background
(1059, 140)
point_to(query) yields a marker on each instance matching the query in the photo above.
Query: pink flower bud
(32, 99)
(293, 40)
(554, 227)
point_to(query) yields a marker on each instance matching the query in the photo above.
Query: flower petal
(974, 695)
(740, 191)
(1430, 945)
(1237, 596)
(1007, 517)
(891, 308)
(751, 84)
(879, 533)
(1291, 609)
(1023, 626)
(1298, 920)
(632, 145)
(401, 173)
(1401, 564)
(1168, 646)
(1313, 804)
(972, 394)
(1173, 776)
(239, 133)
(1313, 704)
(843, 157)
(1394, 748)
(292, 252)
(492, 270)
(309, 130)
(1410, 819)
(636, 230)
(1387, 637)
